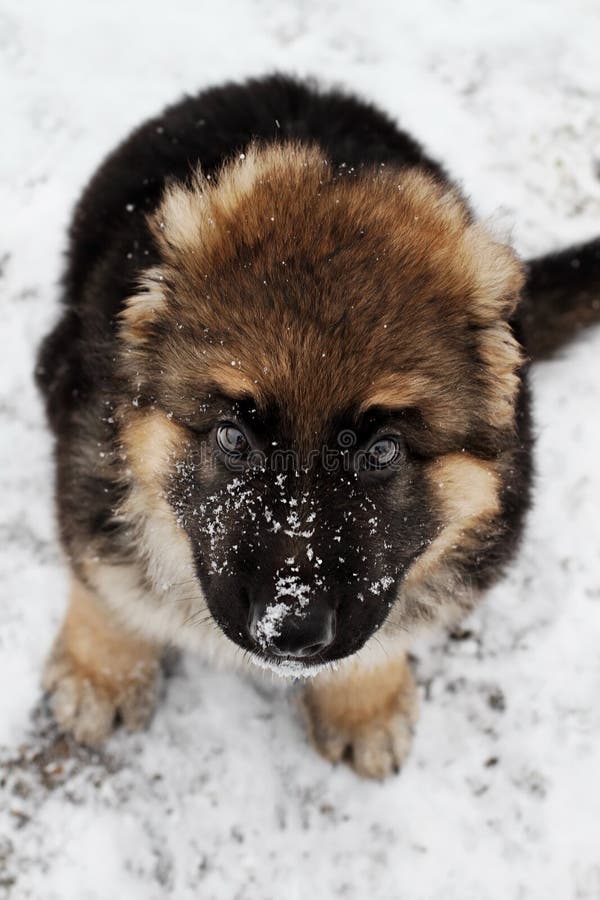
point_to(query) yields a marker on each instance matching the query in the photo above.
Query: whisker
(194, 618)
(177, 584)
(382, 647)
(185, 599)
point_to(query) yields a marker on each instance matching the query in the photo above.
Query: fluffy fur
(287, 260)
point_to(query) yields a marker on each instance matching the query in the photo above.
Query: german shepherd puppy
(289, 394)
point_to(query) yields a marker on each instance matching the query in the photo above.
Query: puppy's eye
(231, 440)
(382, 453)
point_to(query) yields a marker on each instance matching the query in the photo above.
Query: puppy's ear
(477, 279)
(495, 272)
(142, 309)
(181, 218)
(460, 258)
(203, 221)
(497, 278)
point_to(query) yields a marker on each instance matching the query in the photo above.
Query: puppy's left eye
(231, 440)
(382, 453)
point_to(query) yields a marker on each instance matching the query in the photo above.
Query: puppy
(289, 394)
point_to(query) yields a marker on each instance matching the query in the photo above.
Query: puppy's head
(324, 381)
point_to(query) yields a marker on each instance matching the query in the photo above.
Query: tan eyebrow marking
(233, 383)
(433, 399)
(396, 392)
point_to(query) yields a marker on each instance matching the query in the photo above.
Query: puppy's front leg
(98, 672)
(364, 715)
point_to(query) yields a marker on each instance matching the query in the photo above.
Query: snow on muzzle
(291, 622)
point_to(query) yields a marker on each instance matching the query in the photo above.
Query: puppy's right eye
(231, 440)
(382, 453)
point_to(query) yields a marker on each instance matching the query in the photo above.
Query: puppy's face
(324, 388)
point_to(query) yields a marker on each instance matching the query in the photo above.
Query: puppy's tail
(561, 297)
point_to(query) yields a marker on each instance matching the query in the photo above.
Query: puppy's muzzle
(297, 634)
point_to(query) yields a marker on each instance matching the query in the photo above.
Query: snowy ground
(223, 798)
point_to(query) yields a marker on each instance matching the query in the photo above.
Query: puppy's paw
(98, 673)
(365, 718)
(88, 704)
(374, 750)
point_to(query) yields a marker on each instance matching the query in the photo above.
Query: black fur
(562, 297)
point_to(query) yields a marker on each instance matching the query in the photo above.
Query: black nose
(283, 629)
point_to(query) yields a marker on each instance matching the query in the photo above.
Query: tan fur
(502, 355)
(397, 392)
(365, 714)
(151, 441)
(142, 309)
(151, 444)
(194, 218)
(376, 338)
(233, 381)
(97, 670)
(467, 493)
(467, 488)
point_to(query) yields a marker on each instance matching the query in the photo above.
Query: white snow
(269, 624)
(224, 797)
(291, 596)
